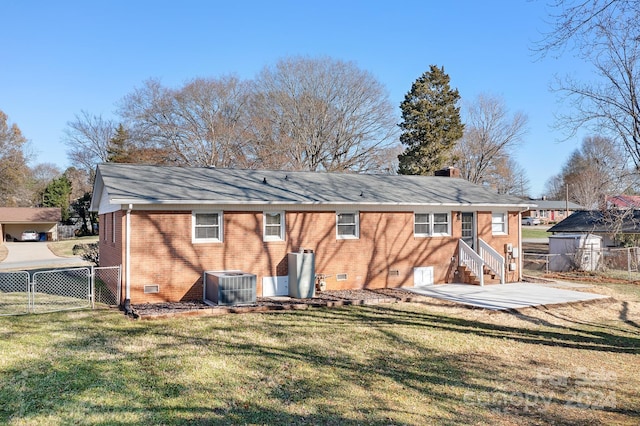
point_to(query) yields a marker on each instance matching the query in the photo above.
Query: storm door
(469, 229)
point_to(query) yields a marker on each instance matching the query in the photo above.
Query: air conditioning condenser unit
(229, 288)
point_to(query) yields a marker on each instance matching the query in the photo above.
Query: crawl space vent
(152, 288)
(394, 273)
(341, 277)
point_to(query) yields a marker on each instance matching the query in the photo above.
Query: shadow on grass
(367, 364)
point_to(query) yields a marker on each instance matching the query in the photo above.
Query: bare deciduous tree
(14, 171)
(597, 169)
(606, 35)
(41, 175)
(200, 124)
(320, 114)
(301, 114)
(87, 138)
(507, 176)
(484, 154)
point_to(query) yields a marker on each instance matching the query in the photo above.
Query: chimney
(448, 172)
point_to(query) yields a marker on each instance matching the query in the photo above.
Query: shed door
(468, 229)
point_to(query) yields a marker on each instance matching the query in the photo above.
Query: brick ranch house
(166, 225)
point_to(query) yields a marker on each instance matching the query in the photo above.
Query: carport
(15, 220)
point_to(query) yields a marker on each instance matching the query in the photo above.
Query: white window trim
(431, 225)
(356, 216)
(505, 223)
(207, 240)
(279, 237)
(113, 227)
(422, 234)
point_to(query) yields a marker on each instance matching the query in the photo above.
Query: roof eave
(127, 201)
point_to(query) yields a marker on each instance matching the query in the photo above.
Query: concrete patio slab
(504, 297)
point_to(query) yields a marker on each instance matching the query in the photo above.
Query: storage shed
(574, 251)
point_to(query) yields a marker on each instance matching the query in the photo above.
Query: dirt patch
(263, 304)
(587, 277)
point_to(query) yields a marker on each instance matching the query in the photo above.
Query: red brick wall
(162, 251)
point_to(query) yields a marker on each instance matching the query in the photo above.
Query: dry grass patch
(64, 248)
(421, 363)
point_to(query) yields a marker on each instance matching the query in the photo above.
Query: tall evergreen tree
(117, 151)
(57, 194)
(431, 124)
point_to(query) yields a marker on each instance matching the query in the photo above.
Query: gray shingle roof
(142, 184)
(616, 221)
(556, 205)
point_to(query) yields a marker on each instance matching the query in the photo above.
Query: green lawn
(420, 363)
(534, 232)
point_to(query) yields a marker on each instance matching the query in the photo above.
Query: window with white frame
(499, 223)
(347, 225)
(207, 227)
(422, 224)
(273, 226)
(113, 227)
(431, 224)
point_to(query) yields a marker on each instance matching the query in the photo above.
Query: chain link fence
(106, 285)
(624, 261)
(58, 290)
(15, 298)
(62, 289)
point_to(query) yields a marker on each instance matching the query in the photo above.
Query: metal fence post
(31, 296)
(92, 287)
(546, 264)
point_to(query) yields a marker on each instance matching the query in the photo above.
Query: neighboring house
(552, 211)
(16, 220)
(623, 202)
(166, 225)
(611, 225)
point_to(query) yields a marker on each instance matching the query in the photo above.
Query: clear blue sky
(59, 58)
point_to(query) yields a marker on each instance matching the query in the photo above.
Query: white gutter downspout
(521, 254)
(127, 262)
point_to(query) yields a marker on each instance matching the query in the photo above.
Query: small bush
(88, 252)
